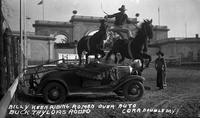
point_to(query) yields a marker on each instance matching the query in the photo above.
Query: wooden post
(15, 56)
(1, 53)
(7, 57)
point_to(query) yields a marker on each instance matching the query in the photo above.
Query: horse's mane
(99, 35)
(140, 31)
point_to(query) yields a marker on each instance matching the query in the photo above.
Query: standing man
(121, 18)
(160, 66)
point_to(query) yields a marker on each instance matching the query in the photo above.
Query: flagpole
(158, 15)
(43, 9)
(185, 29)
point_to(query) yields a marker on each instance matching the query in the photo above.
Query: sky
(180, 16)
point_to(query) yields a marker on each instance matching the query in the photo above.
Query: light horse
(93, 45)
(135, 47)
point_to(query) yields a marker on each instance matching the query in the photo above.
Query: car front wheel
(133, 90)
(54, 93)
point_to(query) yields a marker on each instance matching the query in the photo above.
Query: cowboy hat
(122, 8)
(160, 53)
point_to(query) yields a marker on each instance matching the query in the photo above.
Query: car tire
(133, 91)
(54, 93)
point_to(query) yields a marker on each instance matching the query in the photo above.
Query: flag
(41, 2)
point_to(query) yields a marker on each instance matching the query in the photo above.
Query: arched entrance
(92, 32)
(60, 38)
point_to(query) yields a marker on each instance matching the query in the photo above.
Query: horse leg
(79, 57)
(86, 56)
(80, 60)
(122, 59)
(149, 58)
(96, 57)
(146, 56)
(142, 61)
(102, 53)
(109, 54)
(116, 59)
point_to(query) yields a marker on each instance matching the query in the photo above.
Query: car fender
(47, 78)
(129, 78)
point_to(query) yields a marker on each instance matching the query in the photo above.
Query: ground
(181, 98)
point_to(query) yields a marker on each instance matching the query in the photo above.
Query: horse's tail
(81, 44)
(80, 48)
(115, 49)
(117, 44)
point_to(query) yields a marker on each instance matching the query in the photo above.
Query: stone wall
(40, 49)
(188, 49)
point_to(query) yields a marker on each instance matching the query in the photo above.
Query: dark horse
(93, 45)
(135, 48)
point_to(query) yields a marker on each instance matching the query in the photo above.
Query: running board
(91, 93)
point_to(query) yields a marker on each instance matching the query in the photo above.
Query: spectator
(160, 66)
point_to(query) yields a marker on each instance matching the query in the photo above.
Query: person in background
(160, 66)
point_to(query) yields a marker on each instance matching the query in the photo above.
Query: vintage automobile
(65, 80)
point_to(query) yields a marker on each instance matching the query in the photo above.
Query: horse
(134, 48)
(93, 45)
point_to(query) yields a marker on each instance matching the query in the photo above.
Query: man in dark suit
(160, 66)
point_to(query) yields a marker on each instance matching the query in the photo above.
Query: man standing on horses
(121, 18)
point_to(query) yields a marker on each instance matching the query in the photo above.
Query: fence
(10, 69)
(183, 60)
(10, 65)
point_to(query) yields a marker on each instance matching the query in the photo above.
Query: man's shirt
(120, 18)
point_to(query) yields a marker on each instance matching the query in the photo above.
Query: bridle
(145, 32)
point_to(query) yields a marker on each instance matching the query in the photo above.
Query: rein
(129, 49)
(88, 44)
(145, 32)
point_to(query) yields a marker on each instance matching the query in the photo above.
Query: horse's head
(103, 29)
(147, 28)
(103, 25)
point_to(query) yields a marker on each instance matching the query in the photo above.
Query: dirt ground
(181, 98)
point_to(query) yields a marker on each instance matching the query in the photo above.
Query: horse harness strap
(129, 49)
(88, 44)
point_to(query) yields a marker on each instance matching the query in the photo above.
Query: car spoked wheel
(54, 93)
(133, 90)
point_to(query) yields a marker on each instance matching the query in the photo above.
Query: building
(185, 50)
(54, 40)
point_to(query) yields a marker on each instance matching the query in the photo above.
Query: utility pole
(25, 34)
(21, 38)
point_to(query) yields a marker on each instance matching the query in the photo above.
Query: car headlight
(131, 69)
(136, 63)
